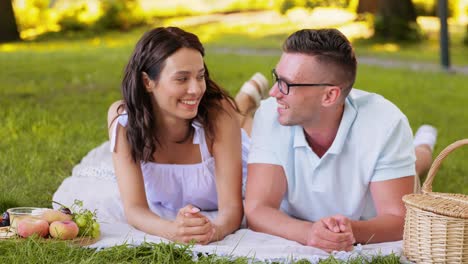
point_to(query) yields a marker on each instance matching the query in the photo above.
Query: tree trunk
(8, 27)
(367, 6)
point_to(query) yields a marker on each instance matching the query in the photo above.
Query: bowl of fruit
(15, 215)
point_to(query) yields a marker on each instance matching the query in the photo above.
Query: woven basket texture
(436, 224)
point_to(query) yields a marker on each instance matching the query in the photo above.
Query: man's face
(303, 105)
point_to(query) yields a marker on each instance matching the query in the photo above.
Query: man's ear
(331, 96)
(147, 82)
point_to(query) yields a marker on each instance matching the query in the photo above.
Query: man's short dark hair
(328, 46)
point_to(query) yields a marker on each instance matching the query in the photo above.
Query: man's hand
(191, 225)
(332, 233)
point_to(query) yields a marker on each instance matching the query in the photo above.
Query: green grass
(55, 94)
(34, 250)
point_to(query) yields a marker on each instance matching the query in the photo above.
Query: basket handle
(427, 186)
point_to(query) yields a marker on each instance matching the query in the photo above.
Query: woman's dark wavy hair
(149, 56)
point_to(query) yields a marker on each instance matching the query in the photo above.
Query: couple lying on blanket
(318, 162)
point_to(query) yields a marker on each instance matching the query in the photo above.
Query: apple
(51, 215)
(63, 229)
(28, 226)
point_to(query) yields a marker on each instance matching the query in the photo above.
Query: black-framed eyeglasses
(284, 86)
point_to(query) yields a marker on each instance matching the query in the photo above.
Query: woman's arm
(227, 152)
(130, 182)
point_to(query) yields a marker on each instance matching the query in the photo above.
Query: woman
(177, 141)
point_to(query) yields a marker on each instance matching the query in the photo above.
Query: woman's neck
(173, 130)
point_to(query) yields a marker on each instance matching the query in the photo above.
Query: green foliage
(32, 14)
(70, 21)
(429, 7)
(425, 7)
(120, 14)
(247, 5)
(396, 28)
(285, 5)
(282, 6)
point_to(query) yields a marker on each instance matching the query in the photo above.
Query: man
(328, 164)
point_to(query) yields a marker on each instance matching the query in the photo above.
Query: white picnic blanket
(93, 182)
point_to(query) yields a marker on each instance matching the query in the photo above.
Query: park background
(61, 63)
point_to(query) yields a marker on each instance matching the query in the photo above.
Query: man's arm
(389, 185)
(266, 186)
(389, 223)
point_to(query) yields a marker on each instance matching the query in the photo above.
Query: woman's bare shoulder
(228, 119)
(230, 107)
(114, 111)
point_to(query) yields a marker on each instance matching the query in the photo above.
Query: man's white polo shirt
(373, 143)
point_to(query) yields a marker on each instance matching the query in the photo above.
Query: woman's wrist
(169, 229)
(217, 233)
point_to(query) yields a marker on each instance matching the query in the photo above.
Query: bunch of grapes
(85, 219)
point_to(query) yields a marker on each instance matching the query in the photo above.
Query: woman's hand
(191, 225)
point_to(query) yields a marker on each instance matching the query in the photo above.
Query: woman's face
(181, 85)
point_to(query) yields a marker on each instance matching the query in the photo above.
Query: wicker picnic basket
(436, 224)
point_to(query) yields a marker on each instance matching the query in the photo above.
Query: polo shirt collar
(349, 115)
(299, 137)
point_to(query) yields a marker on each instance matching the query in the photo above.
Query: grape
(85, 219)
(95, 233)
(80, 221)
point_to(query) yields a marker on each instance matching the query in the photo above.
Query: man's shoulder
(374, 106)
(270, 141)
(268, 104)
(267, 114)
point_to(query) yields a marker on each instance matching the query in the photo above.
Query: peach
(51, 215)
(63, 229)
(28, 226)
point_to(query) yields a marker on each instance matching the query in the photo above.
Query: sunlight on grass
(388, 47)
(110, 39)
(31, 33)
(8, 47)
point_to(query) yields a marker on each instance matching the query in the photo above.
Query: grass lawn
(55, 94)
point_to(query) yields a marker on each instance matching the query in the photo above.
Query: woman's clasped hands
(192, 226)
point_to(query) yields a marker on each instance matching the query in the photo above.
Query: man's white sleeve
(397, 158)
(264, 137)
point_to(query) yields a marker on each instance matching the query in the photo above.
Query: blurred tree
(367, 6)
(396, 20)
(8, 27)
(466, 36)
